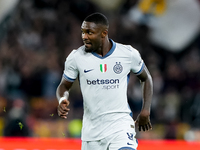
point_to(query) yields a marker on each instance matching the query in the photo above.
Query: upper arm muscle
(144, 75)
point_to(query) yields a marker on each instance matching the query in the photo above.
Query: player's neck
(105, 48)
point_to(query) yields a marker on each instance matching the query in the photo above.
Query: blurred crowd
(39, 35)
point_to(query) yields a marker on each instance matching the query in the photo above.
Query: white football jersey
(103, 83)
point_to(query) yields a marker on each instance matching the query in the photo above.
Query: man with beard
(103, 68)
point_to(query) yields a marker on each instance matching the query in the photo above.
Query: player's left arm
(143, 119)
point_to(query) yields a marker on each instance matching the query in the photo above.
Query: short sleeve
(137, 63)
(70, 71)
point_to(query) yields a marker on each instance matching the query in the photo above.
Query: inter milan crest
(118, 68)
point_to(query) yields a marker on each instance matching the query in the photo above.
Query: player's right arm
(62, 94)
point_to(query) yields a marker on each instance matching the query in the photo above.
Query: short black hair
(97, 18)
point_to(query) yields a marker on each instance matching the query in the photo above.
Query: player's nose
(84, 36)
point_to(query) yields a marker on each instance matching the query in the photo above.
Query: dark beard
(89, 50)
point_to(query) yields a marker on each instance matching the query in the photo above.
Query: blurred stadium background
(37, 35)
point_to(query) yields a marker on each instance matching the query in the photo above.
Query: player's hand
(63, 109)
(143, 121)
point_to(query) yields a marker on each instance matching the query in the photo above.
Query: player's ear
(104, 33)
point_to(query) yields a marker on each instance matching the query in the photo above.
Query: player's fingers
(65, 102)
(143, 128)
(150, 126)
(63, 107)
(63, 116)
(146, 127)
(61, 111)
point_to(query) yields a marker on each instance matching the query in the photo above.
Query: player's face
(91, 35)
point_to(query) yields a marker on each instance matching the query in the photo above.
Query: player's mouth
(87, 44)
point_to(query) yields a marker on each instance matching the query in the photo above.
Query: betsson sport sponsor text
(110, 84)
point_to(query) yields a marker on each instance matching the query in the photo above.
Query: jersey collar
(109, 53)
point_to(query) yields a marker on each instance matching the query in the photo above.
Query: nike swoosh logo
(129, 143)
(85, 71)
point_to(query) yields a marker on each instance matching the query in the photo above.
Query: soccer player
(103, 67)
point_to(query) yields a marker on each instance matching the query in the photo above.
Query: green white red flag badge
(103, 67)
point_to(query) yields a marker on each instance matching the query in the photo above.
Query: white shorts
(122, 140)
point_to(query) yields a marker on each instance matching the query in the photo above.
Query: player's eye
(89, 32)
